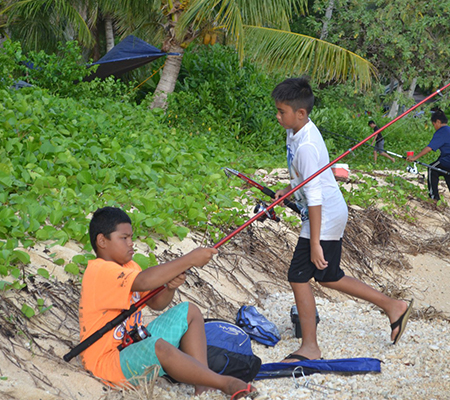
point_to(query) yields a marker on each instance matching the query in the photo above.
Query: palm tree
(257, 28)
(42, 24)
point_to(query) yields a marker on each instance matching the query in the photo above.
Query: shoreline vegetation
(379, 249)
(66, 150)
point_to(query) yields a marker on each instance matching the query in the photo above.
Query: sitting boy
(113, 282)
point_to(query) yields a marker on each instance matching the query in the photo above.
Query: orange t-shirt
(105, 293)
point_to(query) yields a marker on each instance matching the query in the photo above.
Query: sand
(415, 368)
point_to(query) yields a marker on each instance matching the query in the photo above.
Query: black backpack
(229, 350)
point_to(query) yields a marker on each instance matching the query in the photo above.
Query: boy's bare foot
(239, 389)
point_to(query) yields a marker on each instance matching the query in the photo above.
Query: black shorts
(302, 269)
(379, 146)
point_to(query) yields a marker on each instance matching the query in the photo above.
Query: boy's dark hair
(296, 93)
(439, 115)
(371, 122)
(105, 221)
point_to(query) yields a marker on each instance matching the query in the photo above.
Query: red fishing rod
(254, 218)
(125, 314)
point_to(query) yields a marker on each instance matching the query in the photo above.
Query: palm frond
(61, 13)
(225, 13)
(294, 54)
(139, 8)
(142, 18)
(72, 16)
(270, 13)
(231, 15)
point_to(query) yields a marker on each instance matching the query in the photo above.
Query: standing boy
(440, 141)
(113, 282)
(379, 143)
(324, 216)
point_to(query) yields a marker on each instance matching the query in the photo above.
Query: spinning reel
(412, 170)
(270, 214)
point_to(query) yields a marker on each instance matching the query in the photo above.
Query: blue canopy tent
(129, 54)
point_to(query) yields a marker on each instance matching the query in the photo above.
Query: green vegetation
(216, 96)
(393, 197)
(67, 149)
(256, 29)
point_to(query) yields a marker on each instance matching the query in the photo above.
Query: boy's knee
(194, 312)
(163, 349)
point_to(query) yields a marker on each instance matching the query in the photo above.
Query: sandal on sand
(248, 393)
(402, 321)
(296, 357)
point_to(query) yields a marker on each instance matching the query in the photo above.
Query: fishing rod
(409, 169)
(264, 189)
(126, 313)
(344, 136)
(346, 153)
(419, 162)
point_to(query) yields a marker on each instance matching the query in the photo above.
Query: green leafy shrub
(215, 95)
(61, 74)
(10, 67)
(62, 158)
(58, 72)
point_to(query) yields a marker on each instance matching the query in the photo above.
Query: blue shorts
(302, 269)
(170, 326)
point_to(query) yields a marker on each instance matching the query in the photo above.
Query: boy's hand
(317, 257)
(176, 282)
(281, 193)
(201, 256)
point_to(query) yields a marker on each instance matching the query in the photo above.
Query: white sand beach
(409, 260)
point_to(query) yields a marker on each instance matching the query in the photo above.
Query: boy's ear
(101, 241)
(301, 113)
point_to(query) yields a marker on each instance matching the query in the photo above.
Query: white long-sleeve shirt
(307, 154)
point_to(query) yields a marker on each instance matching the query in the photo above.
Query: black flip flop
(401, 322)
(298, 357)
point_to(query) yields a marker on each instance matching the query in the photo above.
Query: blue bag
(257, 326)
(229, 350)
(308, 367)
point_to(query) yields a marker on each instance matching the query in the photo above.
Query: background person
(378, 143)
(441, 142)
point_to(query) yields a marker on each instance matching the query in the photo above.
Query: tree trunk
(412, 88)
(169, 77)
(326, 20)
(109, 32)
(95, 53)
(393, 112)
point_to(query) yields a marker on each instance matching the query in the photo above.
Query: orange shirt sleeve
(105, 293)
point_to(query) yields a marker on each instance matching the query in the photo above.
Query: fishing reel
(270, 214)
(412, 170)
(136, 334)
